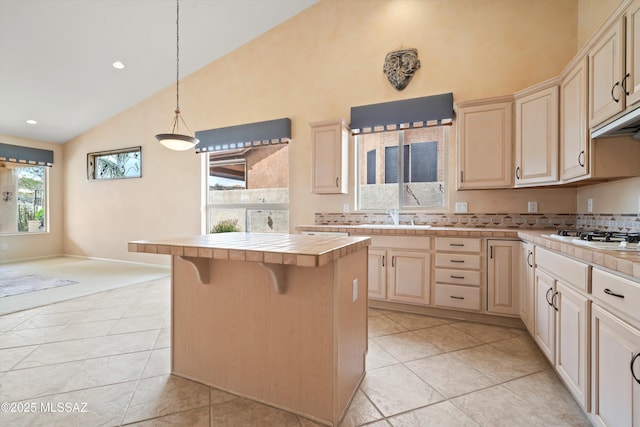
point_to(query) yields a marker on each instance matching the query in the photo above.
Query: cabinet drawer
(457, 244)
(401, 242)
(461, 277)
(622, 295)
(454, 296)
(570, 271)
(458, 261)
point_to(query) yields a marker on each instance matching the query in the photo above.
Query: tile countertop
(627, 263)
(272, 248)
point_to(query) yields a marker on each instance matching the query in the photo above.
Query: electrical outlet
(461, 207)
(532, 207)
(589, 205)
(355, 290)
(5, 246)
(345, 208)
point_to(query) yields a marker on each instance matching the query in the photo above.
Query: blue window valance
(25, 155)
(404, 114)
(245, 136)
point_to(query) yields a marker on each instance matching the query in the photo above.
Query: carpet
(16, 283)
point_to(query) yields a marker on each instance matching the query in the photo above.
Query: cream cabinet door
(485, 140)
(377, 273)
(409, 276)
(503, 262)
(527, 277)
(572, 342)
(614, 349)
(632, 78)
(606, 76)
(545, 315)
(537, 135)
(329, 163)
(574, 153)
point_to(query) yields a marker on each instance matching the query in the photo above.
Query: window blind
(245, 136)
(431, 110)
(25, 155)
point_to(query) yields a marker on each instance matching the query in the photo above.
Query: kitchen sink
(396, 227)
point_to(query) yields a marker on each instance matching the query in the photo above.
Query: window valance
(245, 136)
(25, 155)
(408, 113)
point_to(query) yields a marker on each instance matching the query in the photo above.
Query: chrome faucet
(395, 215)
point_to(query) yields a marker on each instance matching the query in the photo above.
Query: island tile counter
(278, 318)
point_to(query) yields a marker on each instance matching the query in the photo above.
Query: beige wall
(591, 15)
(33, 245)
(314, 67)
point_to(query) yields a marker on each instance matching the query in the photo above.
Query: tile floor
(103, 359)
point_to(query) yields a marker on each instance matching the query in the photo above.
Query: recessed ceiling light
(32, 122)
(118, 65)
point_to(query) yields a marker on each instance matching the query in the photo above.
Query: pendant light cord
(177, 56)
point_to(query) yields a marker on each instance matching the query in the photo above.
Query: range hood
(626, 125)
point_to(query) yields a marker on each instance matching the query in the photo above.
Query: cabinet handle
(490, 252)
(633, 374)
(553, 300)
(461, 176)
(337, 182)
(393, 261)
(383, 260)
(518, 172)
(612, 95)
(546, 296)
(455, 297)
(613, 294)
(624, 84)
(457, 260)
(581, 159)
(529, 263)
(457, 244)
(456, 277)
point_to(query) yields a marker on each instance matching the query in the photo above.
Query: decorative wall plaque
(400, 65)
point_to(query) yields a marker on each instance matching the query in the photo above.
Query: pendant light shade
(173, 139)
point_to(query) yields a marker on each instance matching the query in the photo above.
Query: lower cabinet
(503, 273)
(377, 273)
(545, 316)
(409, 275)
(616, 370)
(400, 269)
(561, 327)
(527, 278)
(572, 341)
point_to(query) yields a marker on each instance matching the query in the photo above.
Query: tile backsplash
(605, 222)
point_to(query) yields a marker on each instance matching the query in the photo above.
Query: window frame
(399, 201)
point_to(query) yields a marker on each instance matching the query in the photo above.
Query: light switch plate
(532, 207)
(461, 207)
(355, 290)
(589, 205)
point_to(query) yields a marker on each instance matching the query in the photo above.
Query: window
(115, 164)
(417, 179)
(23, 206)
(248, 188)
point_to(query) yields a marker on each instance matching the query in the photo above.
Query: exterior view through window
(24, 196)
(402, 169)
(248, 190)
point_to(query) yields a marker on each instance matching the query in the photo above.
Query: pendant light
(174, 140)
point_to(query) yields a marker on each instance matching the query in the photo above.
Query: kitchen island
(278, 318)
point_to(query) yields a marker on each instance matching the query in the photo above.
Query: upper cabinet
(614, 65)
(574, 138)
(536, 142)
(485, 143)
(329, 163)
